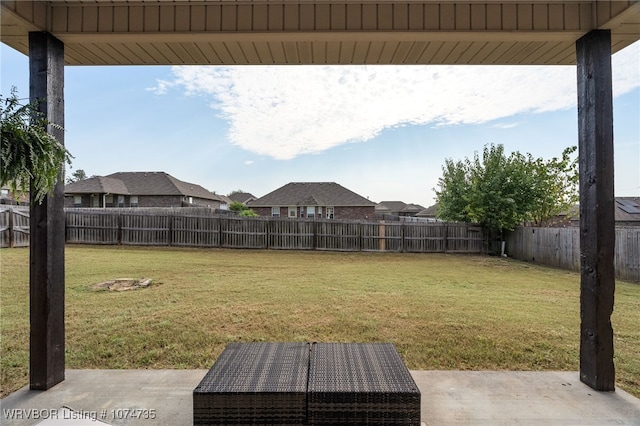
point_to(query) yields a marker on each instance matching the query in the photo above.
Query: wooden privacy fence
(195, 227)
(190, 228)
(14, 226)
(560, 247)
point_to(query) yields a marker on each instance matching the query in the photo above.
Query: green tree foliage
(77, 176)
(501, 192)
(237, 206)
(242, 209)
(29, 155)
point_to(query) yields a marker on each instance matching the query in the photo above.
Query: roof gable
(312, 194)
(139, 183)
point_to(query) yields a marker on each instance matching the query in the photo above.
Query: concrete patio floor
(164, 397)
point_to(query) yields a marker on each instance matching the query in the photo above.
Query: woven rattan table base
(298, 383)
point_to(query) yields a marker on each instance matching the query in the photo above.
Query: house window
(5, 193)
(120, 200)
(77, 200)
(329, 212)
(275, 211)
(95, 201)
(292, 212)
(301, 211)
(319, 212)
(133, 201)
(311, 211)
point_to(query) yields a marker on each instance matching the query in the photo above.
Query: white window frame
(293, 211)
(77, 200)
(330, 212)
(133, 201)
(311, 211)
(120, 200)
(275, 211)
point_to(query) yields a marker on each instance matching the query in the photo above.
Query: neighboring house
(225, 202)
(317, 200)
(8, 197)
(627, 212)
(397, 208)
(242, 197)
(429, 213)
(138, 189)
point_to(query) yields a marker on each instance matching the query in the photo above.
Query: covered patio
(55, 34)
(164, 397)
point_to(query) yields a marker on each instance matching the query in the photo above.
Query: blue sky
(381, 131)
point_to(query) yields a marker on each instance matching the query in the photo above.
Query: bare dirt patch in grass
(123, 284)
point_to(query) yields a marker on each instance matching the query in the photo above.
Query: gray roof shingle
(139, 183)
(97, 185)
(312, 194)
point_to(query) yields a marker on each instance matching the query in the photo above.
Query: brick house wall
(143, 201)
(338, 212)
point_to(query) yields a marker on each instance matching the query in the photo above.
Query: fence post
(10, 227)
(119, 222)
(403, 242)
(170, 237)
(267, 232)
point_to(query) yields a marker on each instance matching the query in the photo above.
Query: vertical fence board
(560, 247)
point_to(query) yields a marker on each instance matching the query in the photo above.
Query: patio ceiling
(228, 32)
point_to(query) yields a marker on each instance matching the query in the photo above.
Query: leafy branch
(29, 154)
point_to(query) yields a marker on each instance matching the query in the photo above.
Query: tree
(77, 176)
(501, 192)
(242, 209)
(30, 157)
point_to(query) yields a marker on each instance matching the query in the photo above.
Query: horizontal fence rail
(560, 247)
(202, 227)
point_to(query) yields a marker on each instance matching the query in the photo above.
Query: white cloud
(286, 111)
(248, 162)
(505, 125)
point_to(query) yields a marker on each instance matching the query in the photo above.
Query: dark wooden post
(46, 265)
(597, 220)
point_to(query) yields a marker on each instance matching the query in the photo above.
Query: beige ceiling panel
(263, 52)
(374, 52)
(319, 51)
(140, 54)
(321, 31)
(360, 53)
(277, 52)
(236, 52)
(443, 53)
(213, 17)
(210, 54)
(415, 52)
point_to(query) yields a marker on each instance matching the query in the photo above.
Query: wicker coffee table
(298, 383)
(254, 383)
(360, 383)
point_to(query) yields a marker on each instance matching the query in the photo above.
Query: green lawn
(441, 311)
